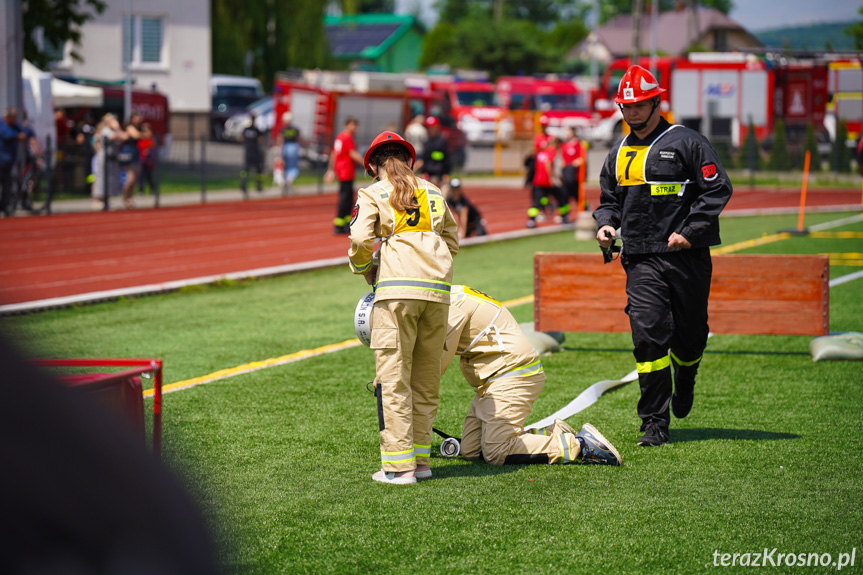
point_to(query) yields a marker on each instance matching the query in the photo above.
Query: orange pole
(803, 192)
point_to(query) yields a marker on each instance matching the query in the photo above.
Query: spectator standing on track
(107, 177)
(545, 184)
(11, 135)
(500, 363)
(664, 186)
(130, 159)
(288, 143)
(468, 217)
(411, 281)
(435, 162)
(542, 137)
(343, 163)
(253, 154)
(573, 159)
(148, 152)
(416, 134)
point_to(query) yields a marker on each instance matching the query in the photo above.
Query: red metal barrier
(101, 381)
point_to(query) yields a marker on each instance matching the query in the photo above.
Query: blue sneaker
(595, 448)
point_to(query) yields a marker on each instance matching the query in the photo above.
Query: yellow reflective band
(684, 363)
(480, 295)
(651, 366)
(361, 268)
(529, 369)
(398, 456)
(665, 189)
(422, 449)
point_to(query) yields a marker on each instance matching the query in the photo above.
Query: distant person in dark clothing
(467, 216)
(253, 157)
(11, 134)
(130, 158)
(435, 162)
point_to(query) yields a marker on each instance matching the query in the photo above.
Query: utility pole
(592, 41)
(127, 64)
(498, 10)
(11, 54)
(636, 30)
(654, 20)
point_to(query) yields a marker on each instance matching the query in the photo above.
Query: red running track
(72, 254)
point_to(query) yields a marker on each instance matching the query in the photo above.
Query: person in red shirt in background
(343, 165)
(544, 182)
(147, 151)
(573, 158)
(542, 138)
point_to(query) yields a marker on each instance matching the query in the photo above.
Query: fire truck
(528, 99)
(720, 94)
(474, 107)
(845, 84)
(320, 110)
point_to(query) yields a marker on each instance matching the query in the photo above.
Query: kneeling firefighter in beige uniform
(412, 283)
(499, 361)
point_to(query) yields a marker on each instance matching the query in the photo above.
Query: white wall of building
(185, 65)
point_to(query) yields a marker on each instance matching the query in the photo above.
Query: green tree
(610, 8)
(279, 34)
(856, 32)
(810, 144)
(350, 7)
(750, 156)
(59, 21)
(505, 47)
(841, 157)
(779, 161)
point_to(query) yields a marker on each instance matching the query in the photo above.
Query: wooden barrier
(750, 294)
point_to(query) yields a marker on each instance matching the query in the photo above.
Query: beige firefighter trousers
(494, 425)
(408, 338)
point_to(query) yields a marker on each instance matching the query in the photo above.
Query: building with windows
(167, 44)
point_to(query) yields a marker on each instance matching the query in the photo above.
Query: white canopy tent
(64, 94)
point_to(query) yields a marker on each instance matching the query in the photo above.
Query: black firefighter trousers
(667, 307)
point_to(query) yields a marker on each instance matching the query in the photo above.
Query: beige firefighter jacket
(417, 246)
(488, 339)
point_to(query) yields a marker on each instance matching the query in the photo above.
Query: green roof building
(376, 42)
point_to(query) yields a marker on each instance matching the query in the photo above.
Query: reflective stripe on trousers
(529, 369)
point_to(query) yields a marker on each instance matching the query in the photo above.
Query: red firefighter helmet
(432, 121)
(636, 85)
(392, 144)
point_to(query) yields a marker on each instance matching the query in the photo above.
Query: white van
(230, 94)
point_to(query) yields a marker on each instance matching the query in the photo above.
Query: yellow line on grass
(256, 365)
(766, 239)
(281, 360)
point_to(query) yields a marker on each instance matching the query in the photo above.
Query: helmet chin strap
(642, 125)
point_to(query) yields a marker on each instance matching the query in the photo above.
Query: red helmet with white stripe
(391, 144)
(636, 85)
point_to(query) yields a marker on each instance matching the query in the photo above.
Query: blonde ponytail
(404, 184)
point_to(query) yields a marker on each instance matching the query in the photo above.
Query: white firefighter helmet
(363, 318)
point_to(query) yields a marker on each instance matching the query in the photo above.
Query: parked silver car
(265, 121)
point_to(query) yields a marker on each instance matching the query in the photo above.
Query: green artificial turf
(280, 460)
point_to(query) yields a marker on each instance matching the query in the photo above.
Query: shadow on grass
(597, 349)
(705, 433)
(470, 469)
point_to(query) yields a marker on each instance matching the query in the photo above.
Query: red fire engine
(729, 89)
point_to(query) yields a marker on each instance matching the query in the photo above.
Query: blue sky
(756, 15)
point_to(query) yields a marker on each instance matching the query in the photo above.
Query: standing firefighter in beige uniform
(499, 361)
(419, 238)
